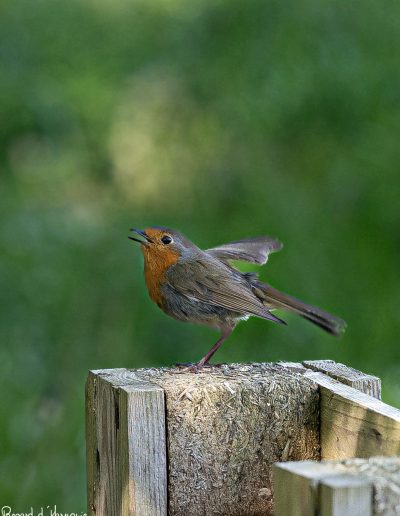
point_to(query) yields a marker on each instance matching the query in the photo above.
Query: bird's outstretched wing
(255, 250)
(206, 279)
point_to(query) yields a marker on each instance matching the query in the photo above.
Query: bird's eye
(166, 239)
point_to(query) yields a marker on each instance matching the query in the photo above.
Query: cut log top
(174, 378)
(226, 425)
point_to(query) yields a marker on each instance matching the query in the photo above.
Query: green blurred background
(224, 119)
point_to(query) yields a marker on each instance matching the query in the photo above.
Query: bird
(204, 287)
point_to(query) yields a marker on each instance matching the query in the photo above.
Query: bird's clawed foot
(188, 368)
(194, 368)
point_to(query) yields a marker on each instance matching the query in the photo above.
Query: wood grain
(306, 488)
(345, 495)
(126, 445)
(366, 383)
(224, 428)
(354, 424)
(351, 487)
(296, 487)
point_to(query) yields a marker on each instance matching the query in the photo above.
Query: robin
(204, 287)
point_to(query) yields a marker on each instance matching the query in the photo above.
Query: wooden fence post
(354, 424)
(223, 428)
(351, 487)
(162, 442)
(346, 495)
(126, 445)
(307, 488)
(365, 383)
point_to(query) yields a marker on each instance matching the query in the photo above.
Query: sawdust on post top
(226, 426)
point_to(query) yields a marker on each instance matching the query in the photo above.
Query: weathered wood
(296, 487)
(352, 487)
(226, 427)
(223, 429)
(126, 445)
(306, 488)
(91, 442)
(296, 367)
(366, 383)
(384, 473)
(354, 424)
(345, 495)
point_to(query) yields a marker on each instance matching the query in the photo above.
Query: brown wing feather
(208, 280)
(254, 250)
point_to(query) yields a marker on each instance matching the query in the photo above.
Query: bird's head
(160, 243)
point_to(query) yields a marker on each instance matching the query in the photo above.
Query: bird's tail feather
(276, 299)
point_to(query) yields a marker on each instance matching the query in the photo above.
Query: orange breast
(156, 263)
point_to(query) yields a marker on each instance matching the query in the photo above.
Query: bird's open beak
(142, 234)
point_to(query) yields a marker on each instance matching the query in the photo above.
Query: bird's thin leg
(225, 332)
(195, 368)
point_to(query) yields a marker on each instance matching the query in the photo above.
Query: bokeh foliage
(223, 119)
